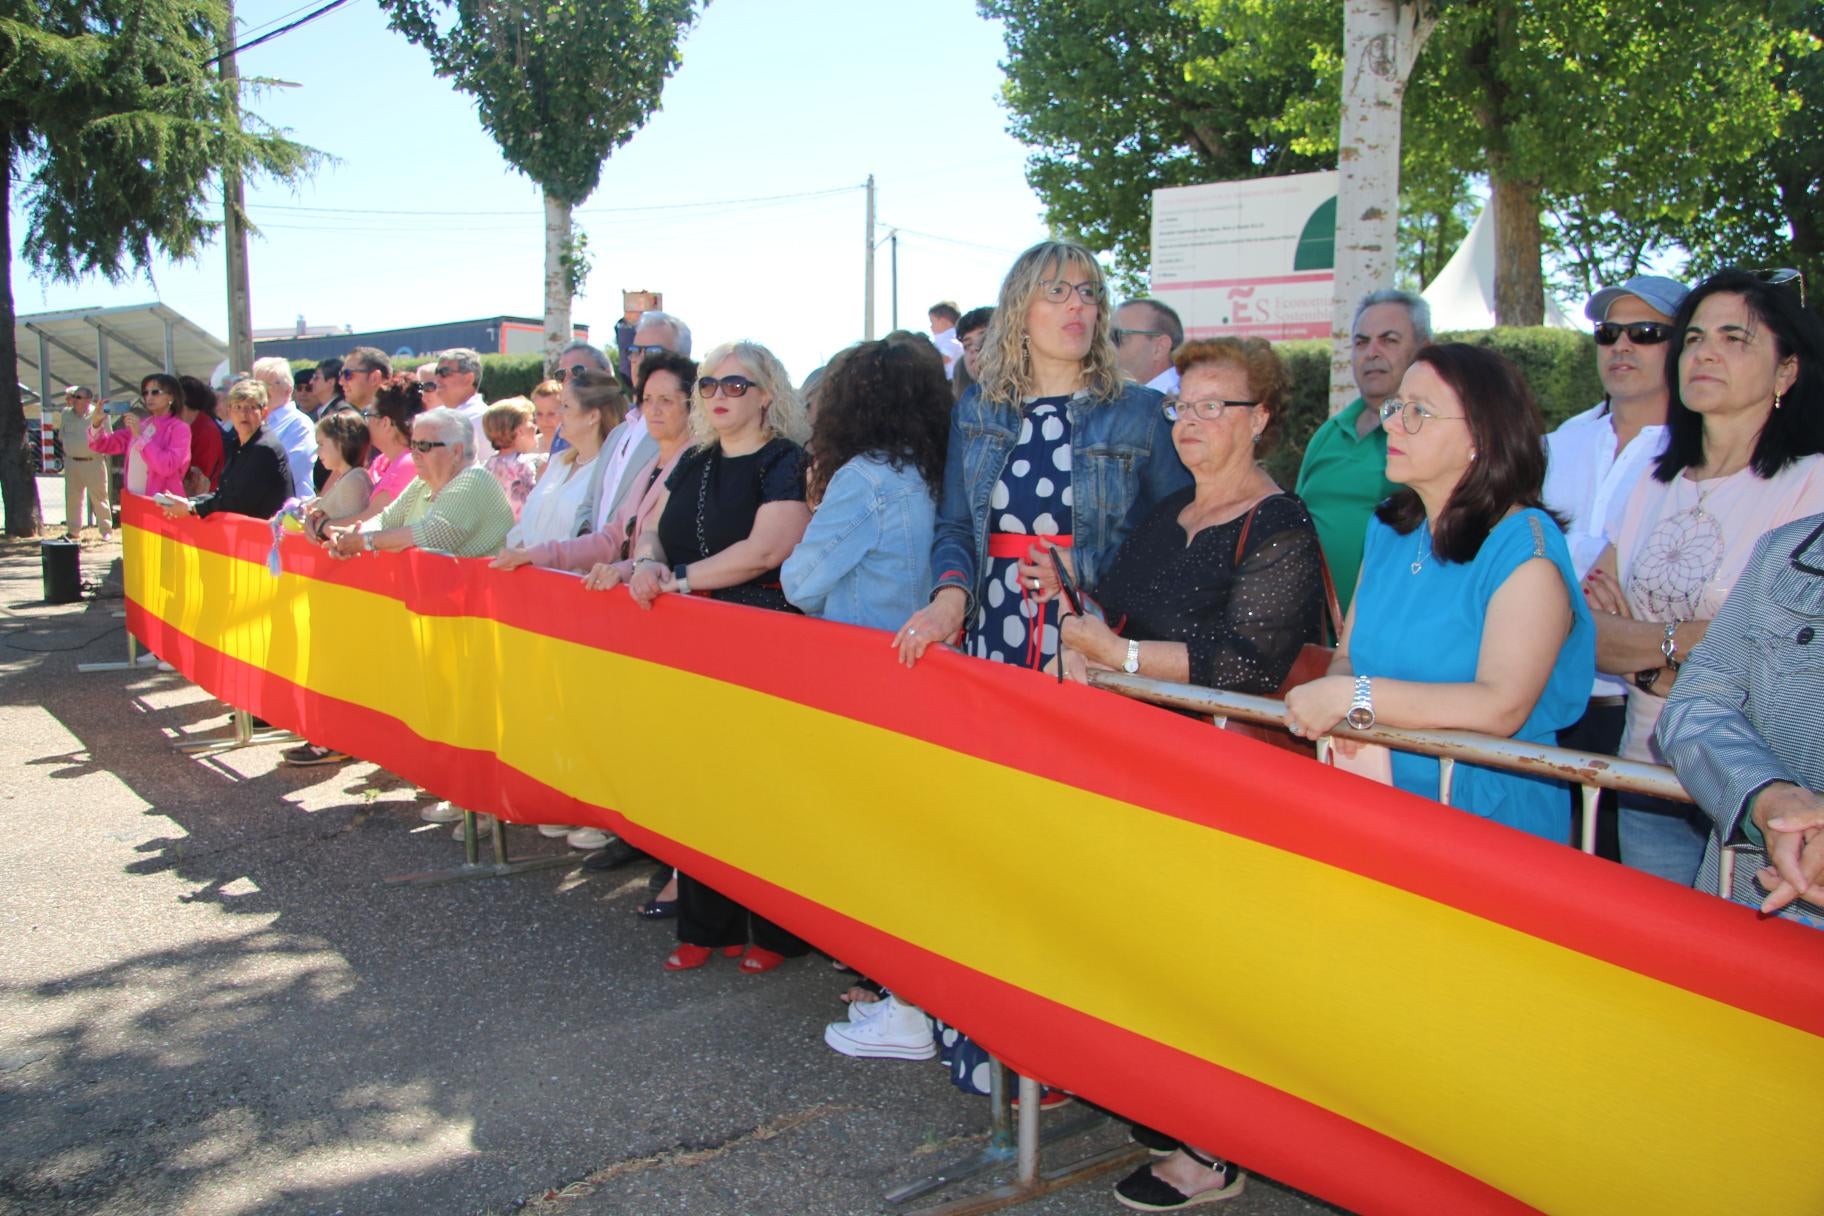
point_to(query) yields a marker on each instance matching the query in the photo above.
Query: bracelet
(1669, 647)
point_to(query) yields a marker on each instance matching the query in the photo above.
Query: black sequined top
(1243, 626)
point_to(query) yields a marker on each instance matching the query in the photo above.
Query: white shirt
(473, 409)
(1589, 482)
(551, 510)
(1165, 382)
(629, 439)
(950, 347)
(293, 429)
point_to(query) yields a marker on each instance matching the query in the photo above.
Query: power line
(524, 214)
(257, 27)
(283, 29)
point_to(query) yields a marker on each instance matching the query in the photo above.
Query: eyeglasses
(1413, 416)
(153, 391)
(564, 373)
(422, 446)
(349, 373)
(1057, 290)
(643, 351)
(449, 371)
(370, 414)
(1118, 335)
(1175, 408)
(731, 386)
(1640, 333)
(1775, 276)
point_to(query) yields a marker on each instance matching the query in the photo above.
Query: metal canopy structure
(111, 348)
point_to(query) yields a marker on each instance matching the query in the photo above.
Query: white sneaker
(588, 838)
(441, 812)
(484, 826)
(554, 830)
(896, 1032)
(861, 1011)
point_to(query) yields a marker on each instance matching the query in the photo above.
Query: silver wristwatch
(1132, 665)
(1361, 706)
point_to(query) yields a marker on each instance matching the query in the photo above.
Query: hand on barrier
(511, 558)
(342, 542)
(650, 580)
(1091, 641)
(1792, 821)
(938, 621)
(606, 576)
(1314, 709)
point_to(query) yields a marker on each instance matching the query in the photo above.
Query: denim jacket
(1121, 463)
(862, 560)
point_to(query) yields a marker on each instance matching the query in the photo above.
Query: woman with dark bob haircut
(1745, 429)
(877, 464)
(1468, 614)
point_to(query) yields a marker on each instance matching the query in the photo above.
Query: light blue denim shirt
(1122, 462)
(865, 558)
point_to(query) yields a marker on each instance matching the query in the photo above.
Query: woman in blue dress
(1052, 449)
(1468, 615)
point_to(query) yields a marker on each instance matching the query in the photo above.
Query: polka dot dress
(1031, 498)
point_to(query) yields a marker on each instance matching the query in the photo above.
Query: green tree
(560, 85)
(114, 132)
(1117, 100)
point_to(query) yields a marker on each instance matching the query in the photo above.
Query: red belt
(1016, 545)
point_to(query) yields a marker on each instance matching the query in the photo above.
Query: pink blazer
(164, 451)
(629, 521)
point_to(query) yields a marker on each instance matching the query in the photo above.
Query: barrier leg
(1021, 1145)
(241, 734)
(135, 660)
(472, 865)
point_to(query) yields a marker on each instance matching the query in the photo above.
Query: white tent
(1463, 294)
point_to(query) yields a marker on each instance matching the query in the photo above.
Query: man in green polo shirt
(1344, 474)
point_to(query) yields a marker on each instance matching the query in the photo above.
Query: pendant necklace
(1424, 546)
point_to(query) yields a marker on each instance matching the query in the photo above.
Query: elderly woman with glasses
(1053, 450)
(1222, 583)
(158, 449)
(732, 512)
(1744, 454)
(454, 506)
(257, 479)
(1468, 614)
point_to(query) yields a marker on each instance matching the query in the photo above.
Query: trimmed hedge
(1559, 365)
(501, 375)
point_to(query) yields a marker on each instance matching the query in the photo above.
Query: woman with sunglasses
(1468, 615)
(1053, 449)
(1745, 430)
(454, 505)
(732, 512)
(158, 449)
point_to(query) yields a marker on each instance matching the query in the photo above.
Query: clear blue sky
(418, 219)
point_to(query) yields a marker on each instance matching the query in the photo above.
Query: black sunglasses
(1640, 333)
(421, 446)
(643, 351)
(575, 369)
(731, 386)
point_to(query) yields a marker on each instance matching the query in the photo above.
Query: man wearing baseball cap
(84, 472)
(1596, 458)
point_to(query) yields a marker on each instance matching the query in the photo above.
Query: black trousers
(1599, 730)
(706, 917)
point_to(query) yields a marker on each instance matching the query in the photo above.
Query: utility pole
(240, 306)
(867, 277)
(893, 239)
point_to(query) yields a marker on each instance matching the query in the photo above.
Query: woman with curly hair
(1744, 433)
(877, 460)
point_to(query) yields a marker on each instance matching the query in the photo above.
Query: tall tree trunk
(1519, 281)
(18, 489)
(1381, 41)
(557, 278)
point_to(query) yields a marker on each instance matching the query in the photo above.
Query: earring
(1472, 453)
(1778, 400)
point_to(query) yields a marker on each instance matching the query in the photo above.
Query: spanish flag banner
(1394, 1005)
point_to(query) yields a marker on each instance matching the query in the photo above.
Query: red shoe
(688, 957)
(760, 960)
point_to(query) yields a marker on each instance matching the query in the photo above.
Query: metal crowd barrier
(1590, 772)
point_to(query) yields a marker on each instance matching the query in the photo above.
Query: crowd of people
(1068, 487)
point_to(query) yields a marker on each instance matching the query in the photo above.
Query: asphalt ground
(212, 1002)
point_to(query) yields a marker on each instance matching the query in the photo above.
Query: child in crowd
(515, 462)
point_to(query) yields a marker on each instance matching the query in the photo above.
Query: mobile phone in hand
(1066, 583)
